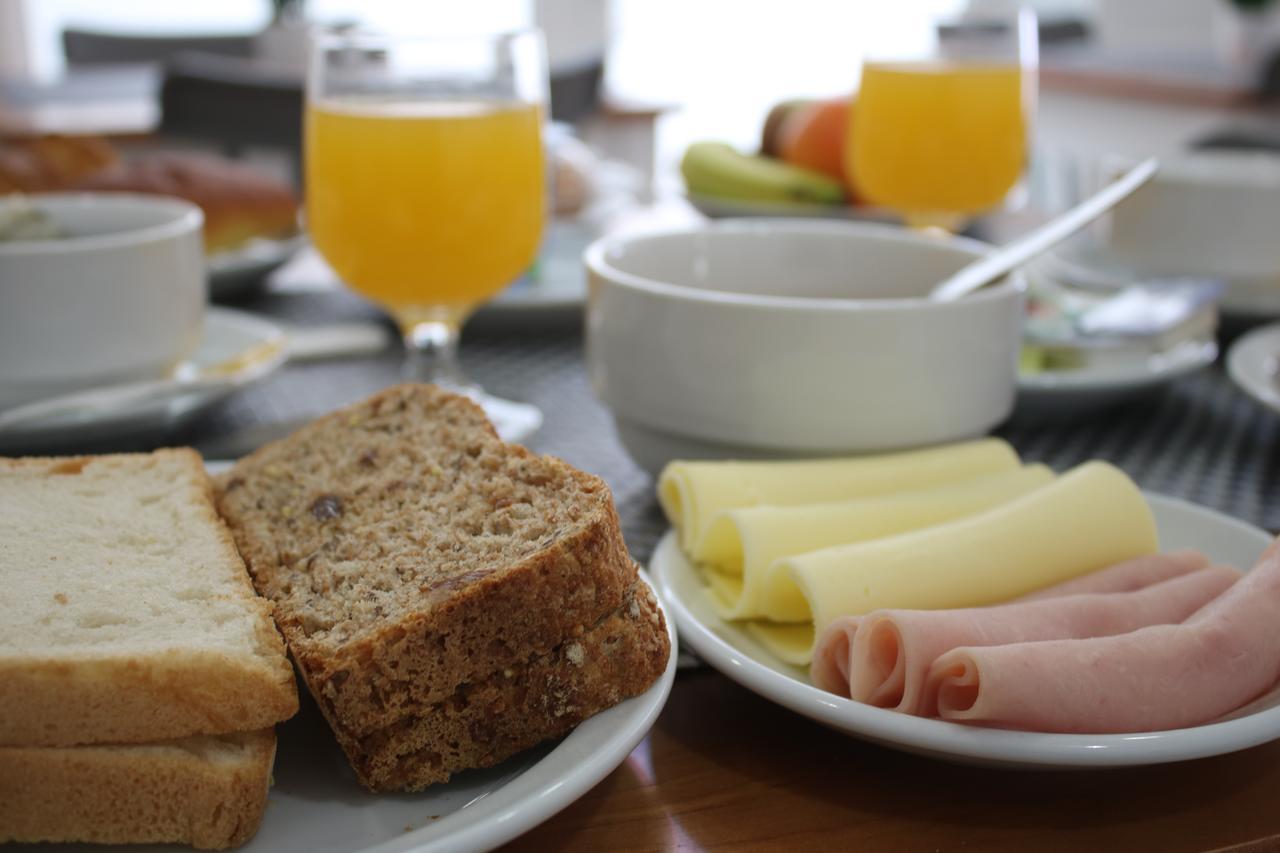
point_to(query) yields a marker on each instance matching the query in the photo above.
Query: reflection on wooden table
(725, 769)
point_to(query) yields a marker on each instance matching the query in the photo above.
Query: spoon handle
(1007, 258)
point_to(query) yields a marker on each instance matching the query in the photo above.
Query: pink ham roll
(884, 657)
(1156, 678)
(1127, 576)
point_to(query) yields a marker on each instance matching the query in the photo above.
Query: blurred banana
(721, 171)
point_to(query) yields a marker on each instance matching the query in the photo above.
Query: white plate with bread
(476, 647)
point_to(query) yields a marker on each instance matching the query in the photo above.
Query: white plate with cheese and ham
(735, 651)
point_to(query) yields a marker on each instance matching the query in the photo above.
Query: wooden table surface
(724, 769)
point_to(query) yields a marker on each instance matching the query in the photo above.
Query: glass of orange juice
(941, 133)
(425, 183)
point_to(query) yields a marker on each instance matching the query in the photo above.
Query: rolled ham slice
(884, 657)
(1127, 576)
(1156, 678)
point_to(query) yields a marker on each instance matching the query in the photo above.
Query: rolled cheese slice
(882, 658)
(1091, 517)
(692, 493)
(1156, 678)
(751, 539)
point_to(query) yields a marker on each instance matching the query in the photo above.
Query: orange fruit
(775, 120)
(812, 137)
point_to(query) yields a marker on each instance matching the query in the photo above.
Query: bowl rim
(185, 217)
(595, 259)
(1223, 169)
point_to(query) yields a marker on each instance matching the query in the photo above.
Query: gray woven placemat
(1201, 439)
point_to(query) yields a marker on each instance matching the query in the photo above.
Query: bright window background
(47, 18)
(720, 64)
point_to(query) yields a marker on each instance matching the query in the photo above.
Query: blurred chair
(86, 47)
(214, 92)
(235, 103)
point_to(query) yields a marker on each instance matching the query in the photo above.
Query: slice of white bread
(207, 791)
(126, 614)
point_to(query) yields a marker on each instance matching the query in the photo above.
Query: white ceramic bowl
(1208, 213)
(120, 300)
(748, 338)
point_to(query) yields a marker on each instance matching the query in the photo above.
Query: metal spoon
(1006, 258)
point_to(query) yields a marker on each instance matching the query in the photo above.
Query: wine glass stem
(432, 354)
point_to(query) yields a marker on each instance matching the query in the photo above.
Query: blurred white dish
(729, 208)
(1253, 363)
(731, 649)
(239, 272)
(234, 349)
(1088, 265)
(775, 337)
(1207, 213)
(1057, 395)
(551, 296)
(119, 298)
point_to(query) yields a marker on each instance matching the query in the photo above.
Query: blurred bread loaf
(51, 163)
(449, 599)
(239, 202)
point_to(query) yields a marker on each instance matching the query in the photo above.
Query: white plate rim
(261, 329)
(555, 781)
(254, 253)
(716, 207)
(954, 741)
(1247, 365)
(1242, 298)
(1179, 360)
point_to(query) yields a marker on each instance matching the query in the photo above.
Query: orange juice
(419, 204)
(938, 137)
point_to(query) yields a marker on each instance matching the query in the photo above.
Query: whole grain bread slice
(127, 615)
(408, 551)
(206, 791)
(488, 720)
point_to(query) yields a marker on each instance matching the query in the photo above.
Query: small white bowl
(750, 338)
(1207, 213)
(120, 300)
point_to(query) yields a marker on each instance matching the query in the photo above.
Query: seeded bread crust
(146, 688)
(486, 722)
(209, 792)
(408, 551)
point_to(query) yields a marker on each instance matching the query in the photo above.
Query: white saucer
(236, 349)
(1055, 395)
(1253, 363)
(731, 649)
(1087, 266)
(513, 421)
(238, 272)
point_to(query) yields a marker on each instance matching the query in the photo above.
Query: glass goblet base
(431, 347)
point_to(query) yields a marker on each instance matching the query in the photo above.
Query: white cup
(1207, 213)
(121, 299)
